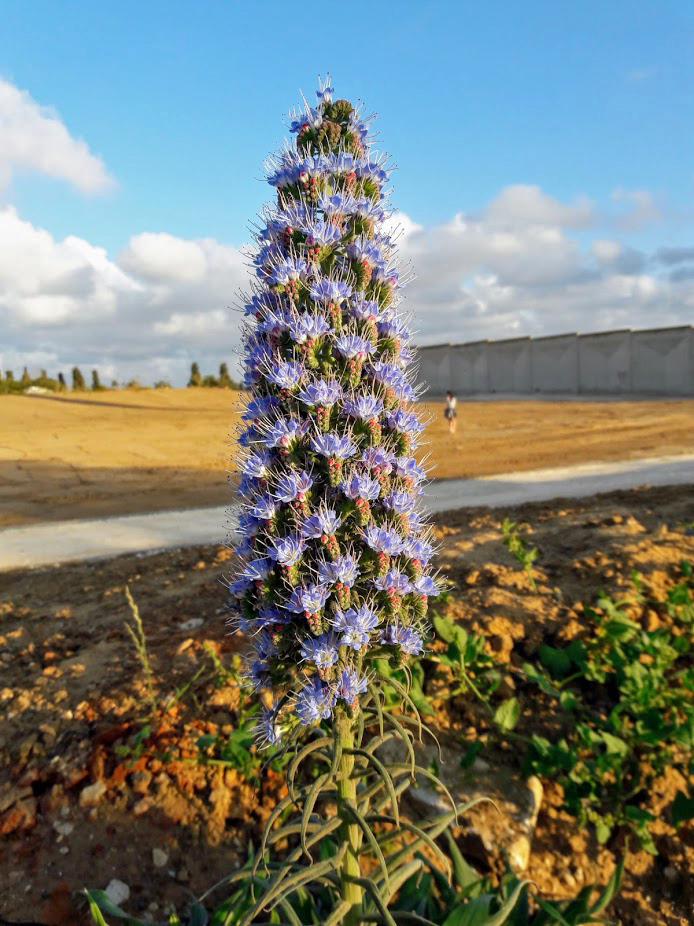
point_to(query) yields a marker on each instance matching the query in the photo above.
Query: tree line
(10, 385)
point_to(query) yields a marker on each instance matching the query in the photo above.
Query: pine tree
(224, 378)
(9, 376)
(96, 382)
(61, 383)
(334, 573)
(78, 384)
(195, 378)
(26, 379)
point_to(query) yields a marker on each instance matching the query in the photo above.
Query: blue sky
(181, 102)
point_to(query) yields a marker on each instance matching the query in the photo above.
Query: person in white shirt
(450, 411)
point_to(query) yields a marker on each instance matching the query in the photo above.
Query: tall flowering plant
(334, 575)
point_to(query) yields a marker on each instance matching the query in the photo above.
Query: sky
(544, 153)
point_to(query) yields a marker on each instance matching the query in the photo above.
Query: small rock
(141, 781)
(92, 794)
(670, 873)
(159, 857)
(569, 879)
(63, 850)
(63, 827)
(183, 876)
(117, 891)
(191, 624)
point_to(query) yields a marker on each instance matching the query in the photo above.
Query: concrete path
(71, 541)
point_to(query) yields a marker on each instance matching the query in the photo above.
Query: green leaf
(465, 874)
(610, 891)
(682, 808)
(100, 900)
(615, 745)
(507, 714)
(198, 915)
(568, 700)
(555, 660)
(602, 833)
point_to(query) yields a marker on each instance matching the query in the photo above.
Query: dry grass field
(131, 451)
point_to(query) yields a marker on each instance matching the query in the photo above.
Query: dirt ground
(126, 452)
(95, 784)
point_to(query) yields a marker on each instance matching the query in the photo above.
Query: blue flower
(418, 549)
(350, 686)
(240, 586)
(344, 569)
(353, 347)
(325, 94)
(333, 445)
(285, 374)
(323, 392)
(264, 508)
(395, 581)
(291, 268)
(258, 407)
(407, 422)
(408, 469)
(257, 464)
(267, 730)
(399, 502)
(308, 600)
(425, 585)
(314, 702)
(364, 309)
(360, 485)
(287, 550)
(257, 569)
(408, 640)
(322, 651)
(268, 617)
(291, 485)
(258, 675)
(365, 407)
(308, 326)
(384, 540)
(330, 291)
(284, 432)
(355, 626)
(324, 233)
(378, 460)
(324, 521)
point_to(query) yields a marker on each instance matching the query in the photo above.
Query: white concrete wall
(554, 364)
(662, 362)
(654, 362)
(509, 365)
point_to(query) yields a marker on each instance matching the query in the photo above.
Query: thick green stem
(347, 793)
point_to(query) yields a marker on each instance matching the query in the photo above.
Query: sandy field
(126, 452)
(93, 780)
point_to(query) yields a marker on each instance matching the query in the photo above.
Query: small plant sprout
(514, 543)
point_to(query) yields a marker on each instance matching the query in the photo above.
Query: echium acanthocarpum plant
(334, 573)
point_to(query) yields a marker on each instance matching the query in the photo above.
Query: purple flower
(325, 94)
(418, 549)
(353, 347)
(284, 432)
(291, 268)
(360, 485)
(322, 651)
(315, 702)
(256, 464)
(399, 502)
(287, 550)
(425, 585)
(308, 326)
(257, 569)
(364, 309)
(323, 392)
(264, 508)
(286, 375)
(257, 407)
(378, 459)
(344, 569)
(330, 291)
(324, 521)
(365, 407)
(258, 675)
(267, 729)
(308, 600)
(408, 640)
(240, 586)
(355, 626)
(397, 581)
(324, 233)
(407, 422)
(267, 617)
(291, 485)
(408, 469)
(333, 445)
(350, 686)
(384, 540)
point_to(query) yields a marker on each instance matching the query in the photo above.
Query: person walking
(450, 412)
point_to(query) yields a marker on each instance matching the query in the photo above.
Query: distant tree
(26, 379)
(162, 384)
(44, 375)
(44, 381)
(224, 378)
(134, 384)
(62, 385)
(78, 384)
(9, 376)
(195, 378)
(210, 382)
(114, 384)
(96, 382)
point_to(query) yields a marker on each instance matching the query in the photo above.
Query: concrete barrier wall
(659, 361)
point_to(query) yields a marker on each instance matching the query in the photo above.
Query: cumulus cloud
(34, 138)
(524, 264)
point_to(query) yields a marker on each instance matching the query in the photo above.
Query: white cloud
(642, 208)
(33, 138)
(522, 205)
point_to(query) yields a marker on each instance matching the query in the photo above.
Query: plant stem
(346, 793)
